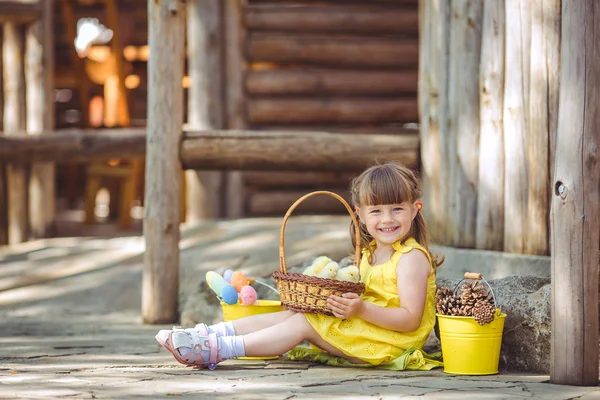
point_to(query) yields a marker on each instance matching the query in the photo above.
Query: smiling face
(388, 223)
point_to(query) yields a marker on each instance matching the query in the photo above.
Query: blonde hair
(389, 183)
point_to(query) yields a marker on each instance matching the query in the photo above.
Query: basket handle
(282, 266)
(477, 276)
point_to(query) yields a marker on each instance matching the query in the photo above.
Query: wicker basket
(306, 293)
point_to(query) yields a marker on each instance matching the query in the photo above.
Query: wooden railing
(219, 149)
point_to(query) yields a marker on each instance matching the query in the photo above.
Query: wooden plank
(160, 284)
(340, 82)
(363, 52)
(433, 113)
(20, 11)
(39, 72)
(465, 54)
(368, 20)
(545, 36)
(576, 202)
(3, 191)
(516, 117)
(234, 82)
(205, 101)
(14, 120)
(332, 110)
(294, 151)
(490, 197)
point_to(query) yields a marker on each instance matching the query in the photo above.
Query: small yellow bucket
(237, 311)
(469, 348)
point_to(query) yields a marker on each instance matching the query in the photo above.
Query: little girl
(395, 312)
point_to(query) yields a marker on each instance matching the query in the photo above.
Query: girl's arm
(412, 272)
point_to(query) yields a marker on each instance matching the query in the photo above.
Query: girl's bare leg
(278, 339)
(254, 323)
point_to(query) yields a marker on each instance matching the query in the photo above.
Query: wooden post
(14, 121)
(3, 194)
(160, 287)
(433, 109)
(490, 194)
(465, 51)
(235, 65)
(516, 116)
(543, 115)
(39, 75)
(205, 100)
(575, 204)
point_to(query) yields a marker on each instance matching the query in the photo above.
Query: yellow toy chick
(349, 273)
(329, 271)
(317, 266)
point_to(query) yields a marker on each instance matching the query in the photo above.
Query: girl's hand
(350, 305)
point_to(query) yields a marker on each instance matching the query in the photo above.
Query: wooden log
(327, 51)
(277, 202)
(332, 110)
(516, 117)
(278, 82)
(73, 145)
(160, 285)
(465, 55)
(14, 120)
(368, 20)
(235, 70)
(291, 179)
(543, 112)
(205, 101)
(490, 195)
(348, 150)
(294, 151)
(433, 109)
(20, 11)
(39, 71)
(576, 202)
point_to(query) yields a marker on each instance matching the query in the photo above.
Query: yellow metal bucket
(469, 348)
(237, 311)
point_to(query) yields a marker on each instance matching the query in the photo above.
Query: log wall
(488, 105)
(330, 66)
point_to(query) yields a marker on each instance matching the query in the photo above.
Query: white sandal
(163, 335)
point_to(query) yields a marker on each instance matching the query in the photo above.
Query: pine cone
(471, 293)
(483, 312)
(446, 302)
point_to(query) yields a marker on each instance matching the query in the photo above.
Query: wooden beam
(20, 11)
(347, 52)
(220, 150)
(306, 151)
(39, 74)
(575, 220)
(516, 114)
(205, 100)
(335, 19)
(14, 121)
(434, 40)
(489, 230)
(234, 82)
(332, 110)
(3, 194)
(160, 284)
(340, 82)
(464, 60)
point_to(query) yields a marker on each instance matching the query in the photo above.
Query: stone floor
(71, 326)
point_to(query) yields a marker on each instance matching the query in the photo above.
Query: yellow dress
(370, 343)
